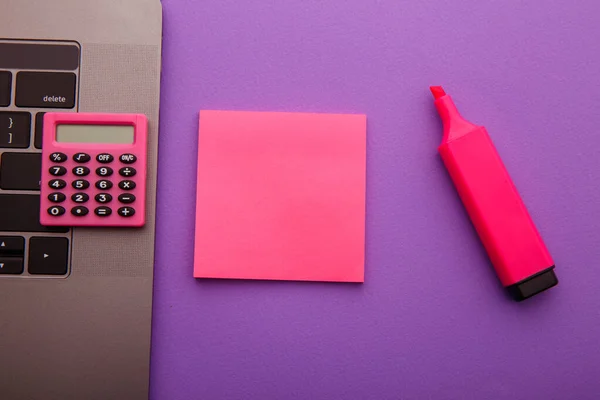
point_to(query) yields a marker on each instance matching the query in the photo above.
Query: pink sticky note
(281, 196)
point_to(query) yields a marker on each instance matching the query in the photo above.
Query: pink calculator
(94, 170)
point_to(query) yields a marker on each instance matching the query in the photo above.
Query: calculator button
(46, 89)
(80, 197)
(10, 245)
(104, 158)
(103, 198)
(127, 171)
(48, 255)
(103, 211)
(39, 129)
(126, 198)
(104, 184)
(57, 184)
(126, 212)
(57, 197)
(104, 171)
(79, 211)
(81, 158)
(11, 265)
(80, 184)
(127, 185)
(20, 171)
(58, 157)
(14, 129)
(81, 171)
(128, 158)
(58, 171)
(21, 213)
(56, 211)
(5, 85)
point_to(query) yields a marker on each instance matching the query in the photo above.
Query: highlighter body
(514, 245)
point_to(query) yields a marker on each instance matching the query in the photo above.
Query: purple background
(431, 320)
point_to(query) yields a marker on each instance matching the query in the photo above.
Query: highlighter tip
(437, 91)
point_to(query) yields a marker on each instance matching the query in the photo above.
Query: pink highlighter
(495, 208)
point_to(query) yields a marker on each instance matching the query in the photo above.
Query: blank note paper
(281, 196)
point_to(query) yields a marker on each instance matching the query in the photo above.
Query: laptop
(75, 302)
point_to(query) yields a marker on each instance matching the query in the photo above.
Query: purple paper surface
(431, 320)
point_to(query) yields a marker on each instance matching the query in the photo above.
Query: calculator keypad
(112, 196)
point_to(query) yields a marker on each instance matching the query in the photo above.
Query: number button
(79, 211)
(127, 171)
(127, 185)
(126, 198)
(104, 184)
(81, 171)
(56, 211)
(80, 197)
(80, 184)
(103, 198)
(104, 158)
(128, 158)
(57, 197)
(58, 157)
(104, 171)
(58, 171)
(57, 184)
(81, 158)
(126, 212)
(103, 211)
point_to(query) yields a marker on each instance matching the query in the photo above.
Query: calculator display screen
(111, 134)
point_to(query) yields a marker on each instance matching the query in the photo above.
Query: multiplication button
(127, 185)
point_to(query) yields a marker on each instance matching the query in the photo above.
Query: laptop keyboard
(35, 77)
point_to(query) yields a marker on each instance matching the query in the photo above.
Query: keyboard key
(22, 55)
(126, 212)
(103, 211)
(127, 171)
(15, 129)
(12, 245)
(56, 211)
(20, 171)
(39, 130)
(81, 158)
(21, 213)
(11, 265)
(127, 185)
(45, 89)
(79, 211)
(80, 184)
(126, 198)
(5, 85)
(57, 197)
(48, 256)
